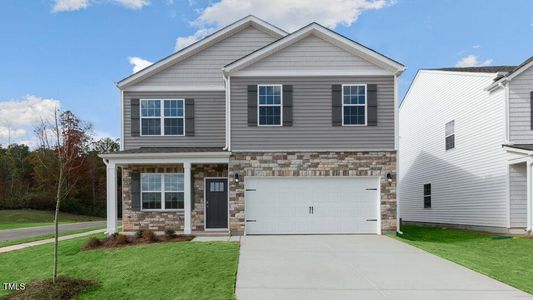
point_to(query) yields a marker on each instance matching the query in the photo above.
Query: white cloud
(287, 14)
(476, 46)
(133, 4)
(472, 61)
(18, 118)
(73, 5)
(138, 63)
(69, 5)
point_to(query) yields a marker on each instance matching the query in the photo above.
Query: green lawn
(22, 218)
(46, 236)
(184, 270)
(507, 260)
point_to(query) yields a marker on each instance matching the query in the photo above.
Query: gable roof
(201, 45)
(324, 33)
(515, 72)
(487, 69)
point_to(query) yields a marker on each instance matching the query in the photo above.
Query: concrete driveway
(355, 267)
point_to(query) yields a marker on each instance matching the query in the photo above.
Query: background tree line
(28, 176)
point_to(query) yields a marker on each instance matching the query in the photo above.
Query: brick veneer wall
(161, 220)
(313, 164)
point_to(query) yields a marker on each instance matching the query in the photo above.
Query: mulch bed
(146, 237)
(65, 288)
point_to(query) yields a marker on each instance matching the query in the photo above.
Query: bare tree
(66, 137)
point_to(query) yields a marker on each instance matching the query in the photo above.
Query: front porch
(165, 189)
(520, 178)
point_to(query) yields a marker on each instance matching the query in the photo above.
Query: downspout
(225, 111)
(529, 178)
(227, 84)
(397, 148)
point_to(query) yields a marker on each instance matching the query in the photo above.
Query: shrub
(170, 233)
(114, 235)
(91, 243)
(139, 234)
(149, 236)
(121, 239)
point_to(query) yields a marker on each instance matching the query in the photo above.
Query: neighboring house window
(162, 191)
(427, 195)
(450, 135)
(162, 117)
(354, 104)
(269, 98)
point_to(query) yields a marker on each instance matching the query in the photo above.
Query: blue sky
(72, 52)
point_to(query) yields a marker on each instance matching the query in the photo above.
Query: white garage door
(311, 205)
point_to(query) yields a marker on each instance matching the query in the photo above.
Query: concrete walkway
(355, 267)
(47, 241)
(22, 233)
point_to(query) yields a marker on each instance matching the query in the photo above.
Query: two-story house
(466, 146)
(254, 130)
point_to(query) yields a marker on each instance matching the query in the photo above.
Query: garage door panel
(281, 205)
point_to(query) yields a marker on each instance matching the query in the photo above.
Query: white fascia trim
(202, 44)
(516, 150)
(310, 73)
(323, 33)
(519, 71)
(503, 81)
(167, 161)
(312, 151)
(177, 88)
(177, 156)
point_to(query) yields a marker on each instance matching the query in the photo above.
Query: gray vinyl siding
(520, 108)
(518, 194)
(312, 111)
(312, 53)
(204, 68)
(209, 121)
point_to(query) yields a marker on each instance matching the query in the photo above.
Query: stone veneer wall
(161, 220)
(313, 164)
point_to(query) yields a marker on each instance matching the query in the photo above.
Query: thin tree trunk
(56, 222)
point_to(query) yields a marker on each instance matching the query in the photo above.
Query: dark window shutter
(336, 105)
(135, 190)
(189, 117)
(287, 105)
(252, 105)
(531, 108)
(135, 117)
(372, 104)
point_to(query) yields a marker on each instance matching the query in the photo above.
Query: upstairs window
(354, 105)
(427, 195)
(162, 117)
(269, 105)
(450, 135)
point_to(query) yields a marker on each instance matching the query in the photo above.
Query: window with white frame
(427, 195)
(162, 117)
(354, 104)
(450, 135)
(162, 191)
(269, 105)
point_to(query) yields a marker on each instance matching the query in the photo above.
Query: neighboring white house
(466, 148)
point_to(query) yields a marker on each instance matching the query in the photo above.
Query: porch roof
(527, 147)
(168, 155)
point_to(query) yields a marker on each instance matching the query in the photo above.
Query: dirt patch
(65, 288)
(145, 237)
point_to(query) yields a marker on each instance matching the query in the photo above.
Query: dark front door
(216, 203)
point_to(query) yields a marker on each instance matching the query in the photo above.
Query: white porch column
(187, 197)
(111, 176)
